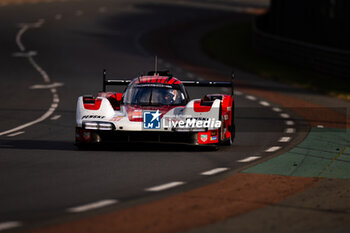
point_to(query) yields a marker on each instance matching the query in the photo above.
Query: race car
(156, 108)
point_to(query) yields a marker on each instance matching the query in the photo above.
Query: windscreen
(147, 94)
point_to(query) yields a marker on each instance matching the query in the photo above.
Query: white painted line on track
(44, 75)
(91, 206)
(46, 86)
(320, 126)
(290, 130)
(250, 97)
(284, 139)
(264, 103)
(56, 117)
(39, 69)
(25, 54)
(15, 134)
(273, 149)
(164, 186)
(290, 123)
(9, 225)
(284, 115)
(276, 109)
(214, 171)
(37, 24)
(23, 29)
(55, 98)
(249, 159)
(54, 105)
(40, 119)
(58, 16)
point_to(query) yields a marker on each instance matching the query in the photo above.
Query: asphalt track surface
(53, 52)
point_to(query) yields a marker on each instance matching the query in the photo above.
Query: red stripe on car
(93, 106)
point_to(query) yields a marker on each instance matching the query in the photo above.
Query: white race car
(156, 108)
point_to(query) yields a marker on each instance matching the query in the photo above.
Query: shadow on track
(69, 146)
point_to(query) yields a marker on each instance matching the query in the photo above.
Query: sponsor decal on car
(117, 118)
(204, 137)
(192, 123)
(92, 117)
(151, 119)
(86, 136)
(213, 138)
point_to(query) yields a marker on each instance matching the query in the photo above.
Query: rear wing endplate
(115, 82)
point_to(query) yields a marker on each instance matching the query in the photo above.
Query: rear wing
(230, 84)
(190, 83)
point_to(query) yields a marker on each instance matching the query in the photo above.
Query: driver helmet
(171, 96)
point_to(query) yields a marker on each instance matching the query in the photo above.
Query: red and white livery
(156, 108)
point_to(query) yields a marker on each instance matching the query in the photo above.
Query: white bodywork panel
(120, 119)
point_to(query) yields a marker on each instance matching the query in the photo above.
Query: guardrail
(324, 59)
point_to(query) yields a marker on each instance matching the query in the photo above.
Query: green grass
(232, 45)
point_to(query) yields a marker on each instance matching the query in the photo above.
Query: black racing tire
(82, 145)
(228, 142)
(232, 129)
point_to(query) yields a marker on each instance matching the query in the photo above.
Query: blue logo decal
(151, 119)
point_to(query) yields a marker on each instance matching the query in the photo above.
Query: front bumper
(84, 136)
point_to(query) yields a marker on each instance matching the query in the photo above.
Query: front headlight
(96, 125)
